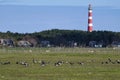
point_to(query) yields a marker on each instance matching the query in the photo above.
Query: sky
(28, 16)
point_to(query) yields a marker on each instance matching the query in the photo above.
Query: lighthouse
(90, 24)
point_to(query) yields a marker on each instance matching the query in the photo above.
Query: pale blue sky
(37, 15)
(114, 3)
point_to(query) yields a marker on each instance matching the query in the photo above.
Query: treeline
(66, 38)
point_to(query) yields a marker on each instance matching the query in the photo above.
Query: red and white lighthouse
(90, 24)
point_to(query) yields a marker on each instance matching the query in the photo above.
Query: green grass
(91, 70)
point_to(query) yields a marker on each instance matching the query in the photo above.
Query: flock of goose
(58, 63)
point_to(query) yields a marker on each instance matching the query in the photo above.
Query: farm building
(115, 44)
(6, 42)
(23, 43)
(45, 43)
(95, 44)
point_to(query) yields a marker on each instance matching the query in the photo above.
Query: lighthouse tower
(90, 24)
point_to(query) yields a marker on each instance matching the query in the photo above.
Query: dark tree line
(65, 37)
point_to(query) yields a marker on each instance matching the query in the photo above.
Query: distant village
(34, 43)
(61, 38)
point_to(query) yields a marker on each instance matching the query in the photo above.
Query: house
(45, 43)
(23, 43)
(34, 41)
(95, 44)
(6, 42)
(115, 44)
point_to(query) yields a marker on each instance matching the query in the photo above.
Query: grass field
(95, 64)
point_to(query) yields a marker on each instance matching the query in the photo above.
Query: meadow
(77, 64)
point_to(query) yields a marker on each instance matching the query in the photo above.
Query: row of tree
(65, 37)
